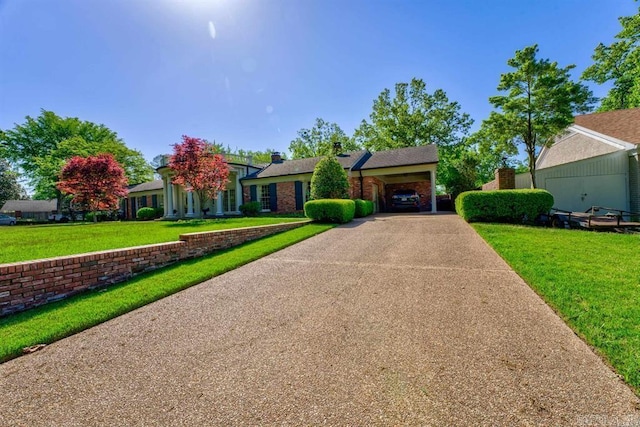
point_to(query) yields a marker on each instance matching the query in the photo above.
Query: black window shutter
(299, 204)
(273, 197)
(154, 200)
(253, 190)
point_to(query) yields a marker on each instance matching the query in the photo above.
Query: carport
(407, 168)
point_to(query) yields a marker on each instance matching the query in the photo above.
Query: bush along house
(283, 186)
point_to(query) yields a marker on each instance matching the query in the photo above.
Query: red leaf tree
(199, 168)
(95, 182)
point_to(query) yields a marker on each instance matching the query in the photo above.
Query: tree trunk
(532, 171)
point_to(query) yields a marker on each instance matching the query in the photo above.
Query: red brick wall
(28, 284)
(367, 193)
(286, 192)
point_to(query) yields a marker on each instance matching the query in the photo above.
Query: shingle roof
(146, 186)
(620, 124)
(30, 205)
(424, 154)
(299, 166)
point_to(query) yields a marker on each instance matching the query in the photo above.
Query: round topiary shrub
(329, 180)
(145, 214)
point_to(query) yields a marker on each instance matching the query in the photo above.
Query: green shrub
(329, 180)
(102, 216)
(330, 210)
(510, 206)
(363, 208)
(159, 212)
(250, 209)
(145, 214)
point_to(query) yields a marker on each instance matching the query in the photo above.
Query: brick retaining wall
(28, 284)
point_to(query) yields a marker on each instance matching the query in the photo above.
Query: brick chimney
(276, 157)
(506, 178)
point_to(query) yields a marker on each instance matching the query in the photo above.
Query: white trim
(576, 129)
(614, 142)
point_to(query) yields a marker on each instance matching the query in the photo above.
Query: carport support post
(433, 191)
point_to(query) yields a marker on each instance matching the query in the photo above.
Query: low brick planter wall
(28, 284)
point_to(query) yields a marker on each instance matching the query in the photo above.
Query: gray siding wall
(634, 184)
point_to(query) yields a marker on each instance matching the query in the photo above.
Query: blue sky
(250, 73)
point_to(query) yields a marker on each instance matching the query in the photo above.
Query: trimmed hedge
(510, 206)
(363, 208)
(250, 209)
(146, 214)
(330, 210)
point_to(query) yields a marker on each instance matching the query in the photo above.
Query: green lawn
(46, 241)
(591, 279)
(57, 320)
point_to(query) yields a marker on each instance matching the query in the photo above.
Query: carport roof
(355, 160)
(424, 154)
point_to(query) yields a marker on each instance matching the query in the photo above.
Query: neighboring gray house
(30, 209)
(595, 163)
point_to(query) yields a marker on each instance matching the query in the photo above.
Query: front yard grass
(54, 321)
(592, 280)
(47, 241)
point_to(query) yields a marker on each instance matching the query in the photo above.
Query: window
(306, 190)
(229, 200)
(265, 198)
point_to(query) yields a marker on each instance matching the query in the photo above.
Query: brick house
(284, 185)
(179, 203)
(147, 194)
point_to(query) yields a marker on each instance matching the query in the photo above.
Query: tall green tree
(329, 180)
(321, 140)
(415, 117)
(619, 63)
(539, 102)
(41, 146)
(10, 188)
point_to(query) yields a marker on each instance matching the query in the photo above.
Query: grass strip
(48, 241)
(591, 279)
(51, 322)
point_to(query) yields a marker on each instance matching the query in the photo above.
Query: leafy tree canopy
(415, 117)
(41, 146)
(321, 140)
(539, 102)
(95, 182)
(10, 188)
(619, 63)
(198, 167)
(329, 180)
(412, 118)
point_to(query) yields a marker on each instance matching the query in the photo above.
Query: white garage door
(580, 193)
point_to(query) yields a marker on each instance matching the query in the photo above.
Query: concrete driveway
(394, 320)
